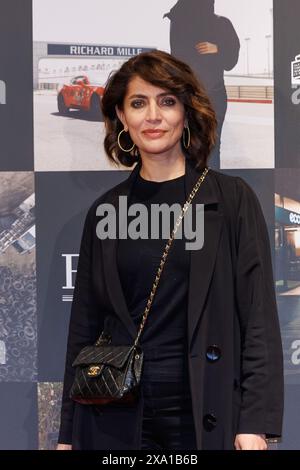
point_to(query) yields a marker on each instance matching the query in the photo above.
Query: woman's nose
(153, 111)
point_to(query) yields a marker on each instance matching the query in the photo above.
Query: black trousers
(167, 417)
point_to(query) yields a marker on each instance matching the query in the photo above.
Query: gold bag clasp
(93, 371)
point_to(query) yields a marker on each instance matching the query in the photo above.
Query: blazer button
(209, 422)
(213, 353)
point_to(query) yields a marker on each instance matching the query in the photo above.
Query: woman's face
(153, 117)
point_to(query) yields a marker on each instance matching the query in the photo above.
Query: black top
(164, 338)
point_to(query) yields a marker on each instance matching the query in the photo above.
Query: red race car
(80, 94)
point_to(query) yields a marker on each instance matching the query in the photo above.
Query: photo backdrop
(55, 58)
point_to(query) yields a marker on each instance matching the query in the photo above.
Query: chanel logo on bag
(93, 371)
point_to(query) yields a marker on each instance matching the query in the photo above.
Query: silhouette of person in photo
(210, 45)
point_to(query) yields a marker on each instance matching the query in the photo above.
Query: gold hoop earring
(186, 145)
(120, 146)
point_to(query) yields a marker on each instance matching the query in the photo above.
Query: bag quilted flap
(106, 354)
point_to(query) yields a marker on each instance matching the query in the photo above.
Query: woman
(212, 376)
(210, 45)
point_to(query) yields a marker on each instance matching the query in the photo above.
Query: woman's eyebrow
(144, 96)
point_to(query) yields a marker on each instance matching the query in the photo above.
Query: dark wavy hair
(164, 71)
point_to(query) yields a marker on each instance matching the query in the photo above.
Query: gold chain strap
(165, 254)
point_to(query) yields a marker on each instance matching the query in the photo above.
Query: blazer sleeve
(85, 323)
(261, 348)
(228, 44)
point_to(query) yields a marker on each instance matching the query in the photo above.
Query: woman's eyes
(136, 103)
(166, 101)
(169, 101)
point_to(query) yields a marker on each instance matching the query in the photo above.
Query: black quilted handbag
(108, 373)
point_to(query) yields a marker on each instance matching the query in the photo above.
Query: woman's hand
(64, 447)
(250, 442)
(206, 48)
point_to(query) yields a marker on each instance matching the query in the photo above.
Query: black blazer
(235, 351)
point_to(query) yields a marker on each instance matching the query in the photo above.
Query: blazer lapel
(202, 261)
(110, 267)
